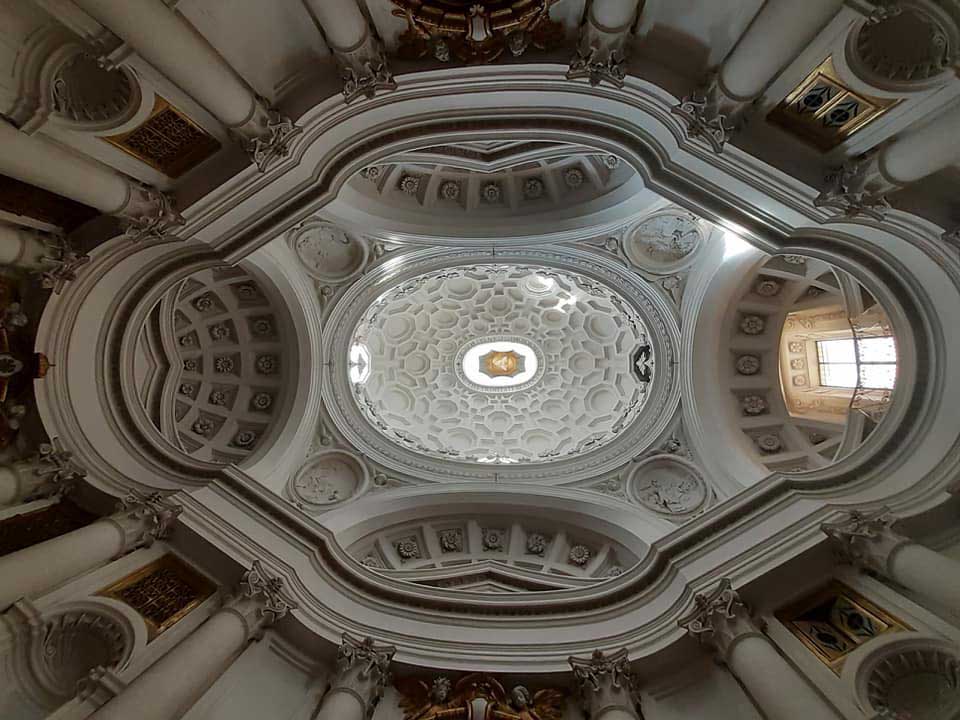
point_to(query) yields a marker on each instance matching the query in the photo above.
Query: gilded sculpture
(476, 697)
(475, 32)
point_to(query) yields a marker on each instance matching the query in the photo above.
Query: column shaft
(929, 573)
(777, 35)
(773, 684)
(169, 687)
(341, 20)
(46, 164)
(339, 704)
(36, 569)
(167, 42)
(922, 152)
(613, 15)
(24, 248)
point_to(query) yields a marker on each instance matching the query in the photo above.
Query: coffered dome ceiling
(467, 365)
(500, 364)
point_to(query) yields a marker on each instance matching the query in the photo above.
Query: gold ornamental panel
(167, 141)
(835, 621)
(163, 592)
(824, 112)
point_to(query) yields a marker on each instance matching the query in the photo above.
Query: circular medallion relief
(327, 252)
(664, 242)
(328, 478)
(668, 485)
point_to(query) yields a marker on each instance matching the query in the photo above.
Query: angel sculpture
(420, 701)
(524, 705)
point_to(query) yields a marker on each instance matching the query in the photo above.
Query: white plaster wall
(266, 681)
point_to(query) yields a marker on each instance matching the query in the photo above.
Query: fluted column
(868, 541)
(138, 522)
(363, 668)
(168, 42)
(169, 687)
(38, 161)
(358, 52)
(723, 622)
(777, 35)
(606, 686)
(602, 47)
(860, 185)
(52, 472)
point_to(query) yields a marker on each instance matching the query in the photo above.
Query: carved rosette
(605, 683)
(720, 620)
(150, 214)
(364, 69)
(709, 115)
(363, 670)
(143, 519)
(866, 540)
(259, 600)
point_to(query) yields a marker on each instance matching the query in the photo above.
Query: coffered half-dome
(503, 189)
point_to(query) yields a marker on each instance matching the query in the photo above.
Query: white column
(23, 248)
(51, 472)
(38, 161)
(602, 47)
(868, 541)
(169, 687)
(357, 51)
(606, 686)
(777, 35)
(139, 520)
(722, 621)
(362, 670)
(168, 42)
(921, 152)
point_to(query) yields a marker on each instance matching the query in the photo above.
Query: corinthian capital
(364, 69)
(605, 683)
(144, 518)
(363, 669)
(866, 540)
(150, 214)
(720, 619)
(260, 600)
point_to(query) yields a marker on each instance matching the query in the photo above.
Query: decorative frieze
(476, 696)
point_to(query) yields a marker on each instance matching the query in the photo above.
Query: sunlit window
(876, 369)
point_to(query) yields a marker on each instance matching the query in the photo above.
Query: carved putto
(476, 697)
